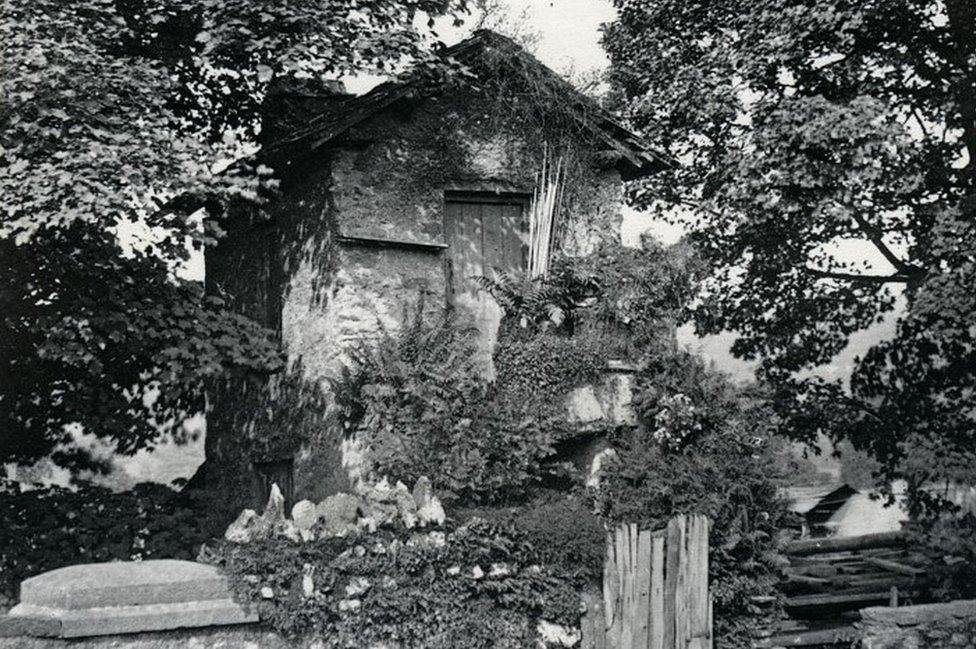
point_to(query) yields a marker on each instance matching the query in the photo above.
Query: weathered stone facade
(358, 235)
(924, 626)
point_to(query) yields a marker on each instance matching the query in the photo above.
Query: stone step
(124, 583)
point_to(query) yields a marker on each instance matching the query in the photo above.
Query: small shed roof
(628, 152)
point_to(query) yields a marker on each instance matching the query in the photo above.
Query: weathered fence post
(655, 587)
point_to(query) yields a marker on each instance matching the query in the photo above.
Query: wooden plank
(655, 631)
(673, 552)
(835, 599)
(698, 576)
(592, 625)
(845, 543)
(642, 607)
(380, 242)
(625, 564)
(894, 566)
(610, 592)
(678, 627)
(837, 635)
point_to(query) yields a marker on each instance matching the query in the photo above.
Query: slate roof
(631, 155)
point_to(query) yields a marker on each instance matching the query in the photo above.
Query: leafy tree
(800, 127)
(125, 115)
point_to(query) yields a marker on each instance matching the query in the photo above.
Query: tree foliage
(121, 117)
(805, 130)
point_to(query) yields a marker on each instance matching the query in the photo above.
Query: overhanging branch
(897, 278)
(874, 235)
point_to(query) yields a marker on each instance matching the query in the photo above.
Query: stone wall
(950, 625)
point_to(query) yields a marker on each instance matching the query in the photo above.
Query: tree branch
(874, 235)
(853, 277)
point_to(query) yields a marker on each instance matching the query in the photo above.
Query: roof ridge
(601, 123)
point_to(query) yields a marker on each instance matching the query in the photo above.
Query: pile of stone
(372, 507)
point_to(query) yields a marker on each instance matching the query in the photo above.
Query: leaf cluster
(110, 342)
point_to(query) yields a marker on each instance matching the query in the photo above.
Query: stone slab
(918, 613)
(124, 583)
(34, 626)
(115, 620)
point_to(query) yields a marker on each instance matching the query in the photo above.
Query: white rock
(242, 529)
(432, 513)
(477, 573)
(557, 634)
(304, 514)
(349, 605)
(267, 593)
(422, 491)
(289, 530)
(357, 586)
(499, 570)
(454, 570)
(274, 510)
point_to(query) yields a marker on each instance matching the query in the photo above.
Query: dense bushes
(947, 546)
(418, 402)
(470, 587)
(561, 529)
(44, 529)
(703, 451)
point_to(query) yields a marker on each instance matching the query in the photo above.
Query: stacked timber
(827, 581)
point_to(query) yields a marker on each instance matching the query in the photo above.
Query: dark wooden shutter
(485, 234)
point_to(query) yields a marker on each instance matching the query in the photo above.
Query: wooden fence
(655, 589)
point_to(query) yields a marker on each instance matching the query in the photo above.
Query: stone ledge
(25, 619)
(247, 637)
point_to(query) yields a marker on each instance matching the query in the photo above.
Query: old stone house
(413, 189)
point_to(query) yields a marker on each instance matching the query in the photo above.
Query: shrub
(946, 544)
(420, 405)
(703, 450)
(49, 528)
(562, 530)
(474, 586)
